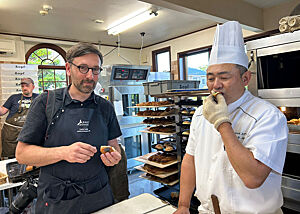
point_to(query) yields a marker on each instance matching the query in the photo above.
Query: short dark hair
(82, 49)
(241, 68)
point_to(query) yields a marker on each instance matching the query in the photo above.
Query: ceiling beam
(250, 17)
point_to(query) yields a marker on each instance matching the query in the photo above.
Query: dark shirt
(13, 102)
(35, 127)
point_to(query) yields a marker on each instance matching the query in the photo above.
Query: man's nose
(217, 84)
(90, 74)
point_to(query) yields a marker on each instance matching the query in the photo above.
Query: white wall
(23, 44)
(192, 41)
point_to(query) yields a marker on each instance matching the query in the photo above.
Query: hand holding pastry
(215, 111)
(110, 156)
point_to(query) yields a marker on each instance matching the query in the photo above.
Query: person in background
(73, 176)
(237, 143)
(17, 105)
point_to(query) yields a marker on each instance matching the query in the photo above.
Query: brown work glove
(215, 110)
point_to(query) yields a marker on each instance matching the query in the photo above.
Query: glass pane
(40, 87)
(163, 62)
(48, 75)
(49, 85)
(41, 53)
(129, 100)
(59, 60)
(40, 74)
(133, 146)
(196, 67)
(60, 75)
(61, 84)
(34, 59)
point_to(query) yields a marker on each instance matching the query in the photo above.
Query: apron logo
(83, 126)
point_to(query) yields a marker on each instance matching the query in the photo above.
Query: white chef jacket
(261, 128)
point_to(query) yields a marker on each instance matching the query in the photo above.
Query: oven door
(124, 98)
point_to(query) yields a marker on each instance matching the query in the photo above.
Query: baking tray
(165, 194)
(159, 180)
(145, 157)
(17, 172)
(160, 175)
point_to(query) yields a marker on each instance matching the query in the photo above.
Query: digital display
(138, 74)
(121, 74)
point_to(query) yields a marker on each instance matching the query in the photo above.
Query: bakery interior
(154, 73)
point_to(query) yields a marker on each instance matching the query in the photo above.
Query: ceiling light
(98, 21)
(138, 18)
(43, 12)
(47, 7)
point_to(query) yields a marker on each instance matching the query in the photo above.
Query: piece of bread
(186, 132)
(174, 195)
(104, 149)
(159, 146)
(169, 148)
(29, 168)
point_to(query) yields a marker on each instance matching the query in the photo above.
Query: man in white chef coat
(237, 143)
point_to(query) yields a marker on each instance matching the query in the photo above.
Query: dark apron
(75, 187)
(11, 129)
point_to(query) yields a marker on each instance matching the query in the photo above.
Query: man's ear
(246, 77)
(68, 69)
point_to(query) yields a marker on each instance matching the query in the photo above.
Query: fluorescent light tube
(131, 22)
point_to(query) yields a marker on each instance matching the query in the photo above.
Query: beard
(26, 93)
(86, 89)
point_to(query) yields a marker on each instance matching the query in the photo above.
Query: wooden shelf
(160, 175)
(150, 178)
(170, 115)
(144, 159)
(160, 124)
(170, 105)
(162, 133)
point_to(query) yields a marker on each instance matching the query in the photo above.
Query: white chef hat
(228, 45)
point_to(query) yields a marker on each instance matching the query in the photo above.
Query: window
(133, 146)
(193, 66)
(161, 60)
(51, 69)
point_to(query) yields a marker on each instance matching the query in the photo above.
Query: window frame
(154, 57)
(183, 56)
(53, 67)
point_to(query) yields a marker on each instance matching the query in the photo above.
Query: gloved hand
(215, 112)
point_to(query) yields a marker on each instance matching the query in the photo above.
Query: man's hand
(182, 210)
(111, 158)
(79, 152)
(216, 112)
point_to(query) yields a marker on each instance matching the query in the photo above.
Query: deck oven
(275, 72)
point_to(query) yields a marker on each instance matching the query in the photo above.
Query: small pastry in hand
(104, 149)
(215, 94)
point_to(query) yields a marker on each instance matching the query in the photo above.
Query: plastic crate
(161, 87)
